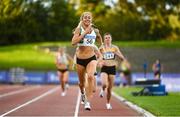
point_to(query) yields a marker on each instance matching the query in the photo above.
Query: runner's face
(107, 39)
(87, 18)
(61, 50)
(157, 61)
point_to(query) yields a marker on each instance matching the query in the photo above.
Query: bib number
(88, 41)
(108, 55)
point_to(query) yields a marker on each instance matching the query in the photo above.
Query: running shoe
(87, 106)
(101, 93)
(63, 93)
(66, 86)
(108, 106)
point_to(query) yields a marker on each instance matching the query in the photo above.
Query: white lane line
(31, 101)
(18, 91)
(133, 106)
(77, 104)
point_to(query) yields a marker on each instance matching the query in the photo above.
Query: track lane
(98, 106)
(55, 105)
(16, 92)
(6, 86)
(51, 105)
(31, 101)
(10, 102)
(9, 88)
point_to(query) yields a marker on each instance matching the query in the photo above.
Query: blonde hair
(63, 48)
(81, 18)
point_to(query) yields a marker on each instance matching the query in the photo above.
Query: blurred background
(31, 31)
(145, 30)
(25, 21)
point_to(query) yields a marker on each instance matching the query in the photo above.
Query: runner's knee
(90, 76)
(104, 86)
(109, 88)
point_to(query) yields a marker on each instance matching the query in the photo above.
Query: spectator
(157, 67)
(125, 73)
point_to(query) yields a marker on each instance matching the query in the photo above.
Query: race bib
(108, 56)
(88, 42)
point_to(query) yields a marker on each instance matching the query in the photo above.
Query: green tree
(10, 8)
(61, 20)
(159, 15)
(9, 24)
(156, 19)
(41, 20)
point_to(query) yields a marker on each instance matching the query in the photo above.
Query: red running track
(46, 100)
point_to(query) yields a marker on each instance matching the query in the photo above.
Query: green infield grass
(28, 56)
(158, 105)
(149, 44)
(33, 57)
